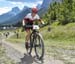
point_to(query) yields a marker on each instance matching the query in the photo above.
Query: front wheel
(31, 44)
(39, 47)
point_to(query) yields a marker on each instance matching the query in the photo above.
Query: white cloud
(4, 10)
(18, 4)
(29, 1)
(33, 4)
(39, 2)
(30, 4)
(13, 4)
(1, 0)
(22, 4)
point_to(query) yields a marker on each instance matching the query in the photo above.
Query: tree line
(62, 11)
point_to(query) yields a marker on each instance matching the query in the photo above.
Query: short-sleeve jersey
(29, 17)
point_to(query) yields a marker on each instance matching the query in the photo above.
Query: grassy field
(59, 35)
(59, 42)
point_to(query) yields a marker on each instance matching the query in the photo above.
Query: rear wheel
(39, 47)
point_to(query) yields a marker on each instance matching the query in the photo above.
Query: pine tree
(63, 11)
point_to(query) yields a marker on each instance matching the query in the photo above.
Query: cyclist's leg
(28, 35)
(28, 32)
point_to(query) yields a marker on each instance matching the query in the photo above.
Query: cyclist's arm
(23, 22)
(42, 22)
(26, 18)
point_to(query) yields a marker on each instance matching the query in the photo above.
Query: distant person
(6, 35)
(17, 34)
(28, 20)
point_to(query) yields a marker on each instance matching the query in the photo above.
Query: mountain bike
(36, 42)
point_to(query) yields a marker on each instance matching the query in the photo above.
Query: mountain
(46, 4)
(15, 10)
(18, 17)
(10, 14)
(25, 7)
(38, 6)
(44, 7)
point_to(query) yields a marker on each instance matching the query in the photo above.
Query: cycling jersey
(29, 20)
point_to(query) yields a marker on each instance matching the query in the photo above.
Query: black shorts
(28, 26)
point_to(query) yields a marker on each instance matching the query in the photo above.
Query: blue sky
(7, 5)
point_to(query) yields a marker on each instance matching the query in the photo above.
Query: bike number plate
(35, 27)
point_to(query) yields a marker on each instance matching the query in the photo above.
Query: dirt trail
(18, 53)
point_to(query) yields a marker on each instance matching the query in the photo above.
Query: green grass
(14, 38)
(59, 40)
(59, 35)
(6, 30)
(60, 44)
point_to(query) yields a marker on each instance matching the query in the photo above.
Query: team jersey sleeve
(27, 16)
(37, 17)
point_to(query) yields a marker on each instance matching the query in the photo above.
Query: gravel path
(19, 54)
(53, 55)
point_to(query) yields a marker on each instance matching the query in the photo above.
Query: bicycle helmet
(34, 10)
